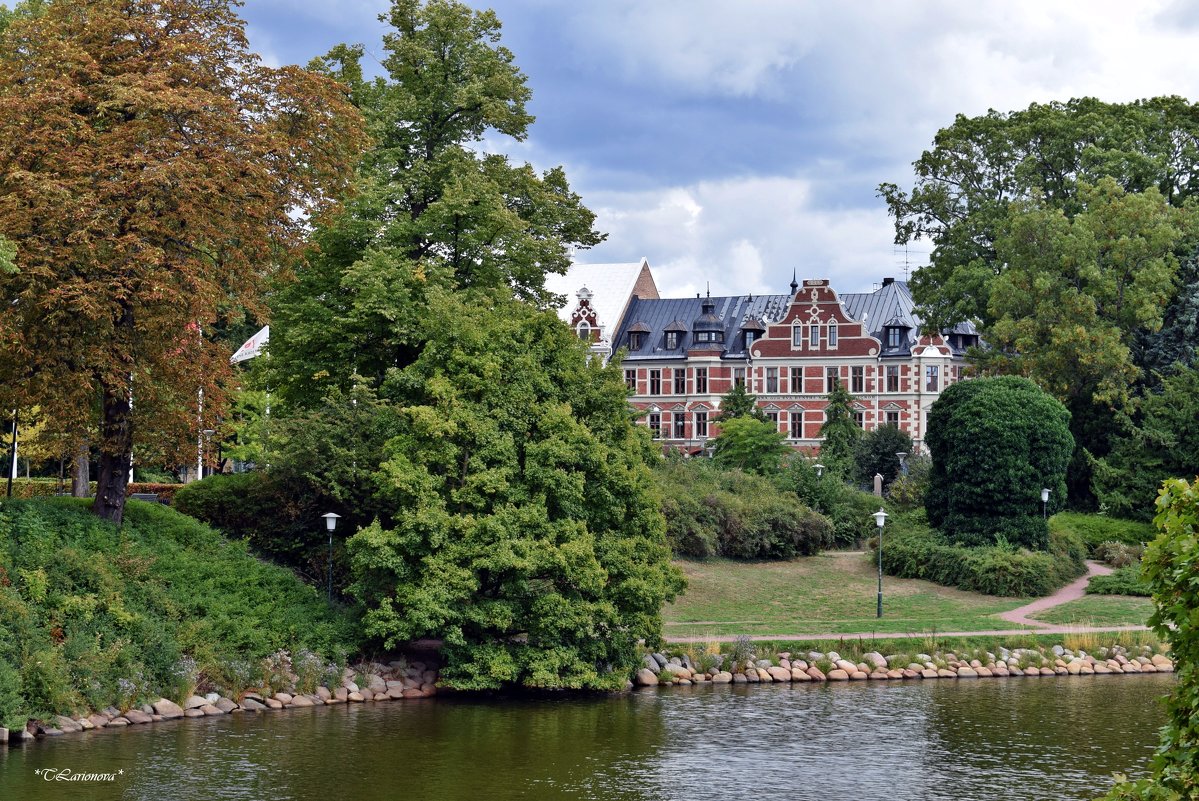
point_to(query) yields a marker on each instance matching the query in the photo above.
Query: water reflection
(1020, 738)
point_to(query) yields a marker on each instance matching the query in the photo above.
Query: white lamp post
(331, 519)
(1045, 503)
(903, 464)
(880, 518)
(819, 469)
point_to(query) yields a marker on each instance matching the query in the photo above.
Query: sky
(734, 143)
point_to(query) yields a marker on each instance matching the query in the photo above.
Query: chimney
(888, 281)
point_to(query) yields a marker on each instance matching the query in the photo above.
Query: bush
(912, 550)
(714, 512)
(93, 615)
(848, 509)
(907, 492)
(995, 443)
(1094, 530)
(876, 451)
(1117, 554)
(1122, 581)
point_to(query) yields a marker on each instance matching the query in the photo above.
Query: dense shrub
(1118, 554)
(93, 615)
(875, 454)
(1122, 581)
(995, 443)
(714, 512)
(1094, 530)
(912, 550)
(908, 490)
(850, 510)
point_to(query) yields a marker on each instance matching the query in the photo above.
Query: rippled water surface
(961, 740)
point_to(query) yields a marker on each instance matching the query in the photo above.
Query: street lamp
(1045, 503)
(331, 519)
(880, 517)
(903, 465)
(819, 469)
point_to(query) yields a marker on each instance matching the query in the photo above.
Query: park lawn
(833, 593)
(1100, 610)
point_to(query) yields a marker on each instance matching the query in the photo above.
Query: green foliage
(434, 213)
(847, 508)
(1171, 564)
(714, 512)
(995, 443)
(750, 444)
(1123, 581)
(1094, 530)
(876, 454)
(526, 534)
(908, 490)
(1176, 344)
(1163, 444)
(737, 402)
(839, 432)
(1118, 554)
(100, 615)
(912, 550)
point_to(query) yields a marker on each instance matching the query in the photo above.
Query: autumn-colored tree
(152, 174)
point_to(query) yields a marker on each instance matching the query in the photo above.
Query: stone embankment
(815, 666)
(400, 680)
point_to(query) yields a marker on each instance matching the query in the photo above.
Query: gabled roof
(728, 315)
(891, 305)
(611, 287)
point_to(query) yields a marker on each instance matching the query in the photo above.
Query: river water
(1017, 739)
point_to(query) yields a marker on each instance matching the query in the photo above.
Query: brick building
(683, 354)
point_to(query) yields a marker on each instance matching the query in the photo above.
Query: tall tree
(435, 211)
(153, 172)
(737, 402)
(750, 444)
(840, 433)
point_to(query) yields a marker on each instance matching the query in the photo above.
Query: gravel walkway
(1071, 592)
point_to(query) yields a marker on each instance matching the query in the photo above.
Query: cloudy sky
(735, 142)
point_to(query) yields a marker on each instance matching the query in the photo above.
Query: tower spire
(794, 283)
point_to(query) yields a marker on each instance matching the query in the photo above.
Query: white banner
(252, 347)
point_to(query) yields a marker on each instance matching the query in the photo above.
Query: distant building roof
(892, 305)
(729, 314)
(611, 287)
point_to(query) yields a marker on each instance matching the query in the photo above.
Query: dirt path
(1071, 592)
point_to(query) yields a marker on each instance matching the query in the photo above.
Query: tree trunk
(81, 473)
(116, 455)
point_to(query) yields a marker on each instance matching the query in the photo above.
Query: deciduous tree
(152, 173)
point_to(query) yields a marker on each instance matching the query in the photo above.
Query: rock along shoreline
(404, 680)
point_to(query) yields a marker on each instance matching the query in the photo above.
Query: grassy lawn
(1100, 610)
(830, 593)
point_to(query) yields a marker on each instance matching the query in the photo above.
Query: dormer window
(749, 338)
(893, 336)
(709, 336)
(636, 340)
(672, 340)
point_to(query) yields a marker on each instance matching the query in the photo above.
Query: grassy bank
(833, 592)
(92, 615)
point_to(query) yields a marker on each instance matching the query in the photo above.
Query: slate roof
(732, 313)
(890, 305)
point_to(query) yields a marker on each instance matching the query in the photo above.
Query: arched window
(584, 331)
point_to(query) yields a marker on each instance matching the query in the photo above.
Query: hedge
(26, 488)
(1094, 530)
(912, 550)
(1123, 581)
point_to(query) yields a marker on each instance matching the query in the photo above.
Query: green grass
(1100, 610)
(831, 593)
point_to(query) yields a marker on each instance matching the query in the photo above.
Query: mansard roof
(728, 315)
(891, 305)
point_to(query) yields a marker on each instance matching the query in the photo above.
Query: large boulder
(647, 678)
(194, 702)
(168, 709)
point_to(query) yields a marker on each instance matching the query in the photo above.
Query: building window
(738, 376)
(655, 382)
(932, 376)
(701, 380)
(859, 419)
(893, 378)
(709, 336)
(750, 336)
(584, 331)
(680, 430)
(655, 424)
(774, 418)
(893, 337)
(857, 379)
(796, 380)
(630, 379)
(830, 378)
(814, 336)
(636, 340)
(701, 424)
(672, 340)
(893, 418)
(772, 379)
(832, 335)
(796, 425)
(797, 336)
(680, 381)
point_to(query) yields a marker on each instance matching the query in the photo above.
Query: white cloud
(744, 235)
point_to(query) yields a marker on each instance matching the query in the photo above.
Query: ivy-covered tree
(995, 444)
(153, 173)
(840, 433)
(527, 534)
(435, 210)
